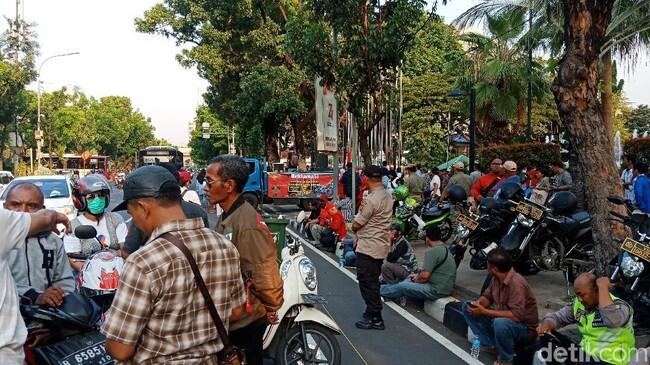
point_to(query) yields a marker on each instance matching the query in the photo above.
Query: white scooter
(305, 335)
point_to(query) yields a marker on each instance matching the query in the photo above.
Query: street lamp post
(472, 122)
(39, 133)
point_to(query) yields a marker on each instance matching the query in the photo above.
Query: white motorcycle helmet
(100, 274)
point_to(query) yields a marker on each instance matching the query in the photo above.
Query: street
(411, 336)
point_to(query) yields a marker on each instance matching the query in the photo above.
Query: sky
(114, 59)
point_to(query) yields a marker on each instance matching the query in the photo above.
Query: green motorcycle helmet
(411, 202)
(401, 192)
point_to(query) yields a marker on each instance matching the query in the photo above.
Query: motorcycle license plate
(468, 222)
(530, 210)
(636, 248)
(314, 299)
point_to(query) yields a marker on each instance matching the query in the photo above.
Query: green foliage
(639, 148)
(426, 145)
(203, 150)
(639, 119)
(525, 154)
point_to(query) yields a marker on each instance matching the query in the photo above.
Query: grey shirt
(563, 178)
(40, 263)
(613, 315)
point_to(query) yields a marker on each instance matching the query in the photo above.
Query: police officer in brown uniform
(371, 226)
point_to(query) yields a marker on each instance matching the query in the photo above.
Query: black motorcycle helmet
(563, 203)
(456, 194)
(487, 205)
(510, 191)
(76, 311)
(91, 184)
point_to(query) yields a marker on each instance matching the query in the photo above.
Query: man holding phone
(506, 313)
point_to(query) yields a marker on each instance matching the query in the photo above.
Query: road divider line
(436, 336)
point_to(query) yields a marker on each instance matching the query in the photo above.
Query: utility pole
(335, 178)
(529, 123)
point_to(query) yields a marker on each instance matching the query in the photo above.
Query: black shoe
(370, 324)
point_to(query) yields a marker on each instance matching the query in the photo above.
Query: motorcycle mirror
(85, 232)
(616, 200)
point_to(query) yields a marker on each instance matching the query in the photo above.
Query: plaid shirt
(159, 309)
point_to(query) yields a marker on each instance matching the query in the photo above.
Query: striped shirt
(159, 309)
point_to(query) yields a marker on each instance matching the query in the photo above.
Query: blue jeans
(350, 258)
(409, 289)
(501, 333)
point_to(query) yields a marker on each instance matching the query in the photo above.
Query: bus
(153, 155)
(70, 162)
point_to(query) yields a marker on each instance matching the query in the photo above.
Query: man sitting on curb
(401, 261)
(604, 321)
(437, 278)
(41, 269)
(331, 226)
(506, 313)
(314, 213)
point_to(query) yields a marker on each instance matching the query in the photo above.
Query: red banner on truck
(300, 185)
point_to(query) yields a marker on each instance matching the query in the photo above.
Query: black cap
(373, 172)
(148, 182)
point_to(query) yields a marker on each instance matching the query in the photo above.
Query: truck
(265, 185)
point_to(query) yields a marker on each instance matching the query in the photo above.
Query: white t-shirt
(73, 244)
(190, 196)
(435, 180)
(12, 327)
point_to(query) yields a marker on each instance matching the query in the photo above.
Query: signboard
(326, 118)
(300, 185)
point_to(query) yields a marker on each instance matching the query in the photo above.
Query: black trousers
(251, 340)
(368, 271)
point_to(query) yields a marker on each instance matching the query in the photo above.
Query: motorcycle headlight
(631, 266)
(308, 273)
(526, 222)
(284, 269)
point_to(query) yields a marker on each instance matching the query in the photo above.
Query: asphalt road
(411, 337)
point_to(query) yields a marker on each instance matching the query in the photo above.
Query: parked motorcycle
(305, 335)
(551, 238)
(630, 275)
(484, 231)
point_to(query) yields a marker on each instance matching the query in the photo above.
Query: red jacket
(482, 184)
(332, 218)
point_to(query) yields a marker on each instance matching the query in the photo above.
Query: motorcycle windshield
(515, 236)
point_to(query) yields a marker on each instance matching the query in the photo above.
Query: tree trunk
(298, 126)
(271, 141)
(576, 95)
(364, 148)
(607, 96)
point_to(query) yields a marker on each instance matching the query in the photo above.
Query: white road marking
(452, 347)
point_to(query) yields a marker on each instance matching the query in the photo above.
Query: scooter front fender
(311, 314)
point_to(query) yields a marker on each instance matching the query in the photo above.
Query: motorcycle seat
(582, 217)
(433, 214)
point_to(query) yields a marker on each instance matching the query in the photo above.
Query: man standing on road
(642, 186)
(506, 313)
(459, 178)
(482, 187)
(159, 315)
(371, 226)
(563, 179)
(225, 180)
(17, 227)
(414, 182)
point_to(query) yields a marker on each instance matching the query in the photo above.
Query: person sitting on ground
(41, 268)
(331, 226)
(604, 321)
(93, 194)
(401, 261)
(314, 207)
(186, 193)
(506, 313)
(437, 278)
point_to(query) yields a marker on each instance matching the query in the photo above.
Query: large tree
(638, 119)
(576, 94)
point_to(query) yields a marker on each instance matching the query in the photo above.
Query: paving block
(436, 309)
(454, 319)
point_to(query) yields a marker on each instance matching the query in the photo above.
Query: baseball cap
(459, 165)
(185, 176)
(510, 166)
(373, 172)
(148, 182)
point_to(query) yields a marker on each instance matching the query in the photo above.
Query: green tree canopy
(638, 119)
(203, 150)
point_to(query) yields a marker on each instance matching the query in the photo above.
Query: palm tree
(497, 69)
(627, 36)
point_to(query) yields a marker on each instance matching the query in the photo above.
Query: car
(57, 190)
